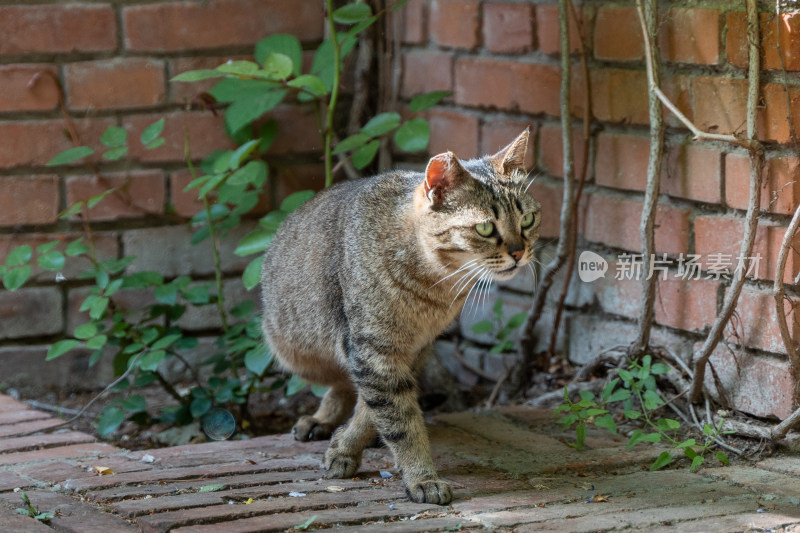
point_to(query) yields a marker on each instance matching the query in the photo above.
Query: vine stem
(334, 95)
(780, 296)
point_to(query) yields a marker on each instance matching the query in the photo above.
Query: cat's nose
(516, 251)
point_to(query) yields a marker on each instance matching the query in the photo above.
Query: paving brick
(455, 23)
(508, 27)
(425, 71)
(25, 427)
(31, 312)
(9, 481)
(25, 414)
(119, 83)
(453, 131)
(690, 36)
(43, 441)
(138, 194)
(73, 451)
(26, 89)
(761, 482)
(58, 471)
(28, 200)
(73, 516)
(48, 29)
(176, 26)
(14, 521)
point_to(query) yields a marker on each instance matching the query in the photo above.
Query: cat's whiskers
(475, 297)
(465, 278)
(480, 271)
(462, 267)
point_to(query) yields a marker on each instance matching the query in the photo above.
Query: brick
(206, 134)
(25, 367)
(590, 335)
(138, 194)
(773, 124)
(615, 222)
(41, 441)
(508, 85)
(30, 312)
(414, 27)
(757, 323)
(677, 89)
(693, 172)
(185, 204)
(177, 26)
(508, 28)
(185, 92)
(759, 385)
(119, 83)
(622, 161)
(690, 36)
(551, 152)
(785, 29)
(455, 23)
(425, 71)
(453, 131)
(497, 132)
(24, 140)
(621, 297)
(299, 177)
(207, 316)
(780, 190)
(28, 200)
(736, 38)
(130, 301)
(620, 96)
(686, 304)
(550, 196)
(49, 29)
(548, 34)
(618, 34)
(26, 89)
(298, 131)
(74, 451)
(719, 104)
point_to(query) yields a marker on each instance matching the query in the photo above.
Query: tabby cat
(359, 281)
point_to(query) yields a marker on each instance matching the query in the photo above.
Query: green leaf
(352, 13)
(150, 360)
(211, 488)
(141, 280)
(241, 153)
(382, 123)
(659, 368)
(619, 395)
(245, 68)
(305, 525)
(243, 112)
(134, 404)
(152, 132)
(16, 278)
(580, 435)
(213, 182)
(319, 390)
(252, 274)
(310, 83)
(516, 320)
(60, 348)
(76, 247)
(114, 137)
(413, 136)
(254, 172)
(200, 406)
(722, 458)
(197, 295)
(686, 444)
(197, 75)
(168, 340)
(606, 421)
(52, 260)
(85, 331)
(652, 400)
(96, 199)
(258, 359)
(424, 101)
(632, 415)
(364, 155)
(323, 65)
(351, 143)
(638, 436)
(110, 420)
(19, 255)
(281, 43)
(295, 385)
(116, 153)
(70, 156)
(295, 200)
(696, 463)
(73, 210)
(626, 376)
(668, 424)
(46, 247)
(97, 342)
(155, 144)
(484, 326)
(254, 242)
(269, 131)
(278, 66)
(661, 461)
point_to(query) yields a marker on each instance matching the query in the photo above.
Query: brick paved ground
(510, 470)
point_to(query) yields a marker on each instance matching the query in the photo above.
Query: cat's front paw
(340, 466)
(309, 428)
(430, 491)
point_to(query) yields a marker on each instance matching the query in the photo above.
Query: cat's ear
(443, 174)
(512, 157)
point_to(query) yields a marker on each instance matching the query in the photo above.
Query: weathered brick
(692, 171)
(686, 304)
(176, 26)
(590, 335)
(207, 316)
(206, 134)
(118, 83)
(775, 30)
(623, 296)
(30, 312)
(28, 200)
(690, 36)
(498, 132)
(455, 23)
(453, 131)
(550, 196)
(74, 451)
(548, 34)
(619, 96)
(300, 177)
(425, 71)
(615, 222)
(719, 104)
(508, 27)
(780, 191)
(24, 140)
(138, 194)
(622, 161)
(508, 85)
(49, 29)
(773, 122)
(25, 367)
(618, 34)
(298, 130)
(414, 28)
(757, 324)
(677, 89)
(26, 89)
(185, 204)
(551, 152)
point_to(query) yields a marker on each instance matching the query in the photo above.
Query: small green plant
(33, 512)
(636, 391)
(500, 328)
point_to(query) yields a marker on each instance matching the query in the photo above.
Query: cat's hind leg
(335, 407)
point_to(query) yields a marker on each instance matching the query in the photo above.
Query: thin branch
(337, 66)
(780, 295)
(751, 219)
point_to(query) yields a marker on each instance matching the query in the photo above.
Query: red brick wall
(500, 60)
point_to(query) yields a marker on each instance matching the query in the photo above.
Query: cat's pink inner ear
(440, 175)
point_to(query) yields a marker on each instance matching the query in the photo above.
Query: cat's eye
(484, 229)
(527, 220)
